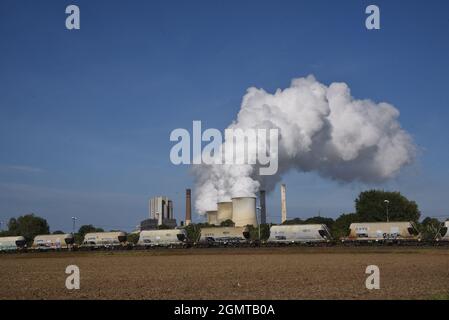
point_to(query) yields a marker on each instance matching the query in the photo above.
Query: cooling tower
(212, 217)
(244, 211)
(224, 211)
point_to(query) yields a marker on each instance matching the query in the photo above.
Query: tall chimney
(283, 204)
(263, 209)
(188, 207)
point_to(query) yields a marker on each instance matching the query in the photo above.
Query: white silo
(244, 211)
(224, 211)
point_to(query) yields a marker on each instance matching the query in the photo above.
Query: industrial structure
(263, 208)
(283, 204)
(160, 213)
(188, 207)
(241, 210)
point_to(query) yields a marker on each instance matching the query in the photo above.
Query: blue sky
(85, 116)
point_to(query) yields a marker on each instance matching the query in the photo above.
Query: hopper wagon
(53, 242)
(299, 233)
(224, 236)
(162, 238)
(383, 232)
(12, 244)
(97, 240)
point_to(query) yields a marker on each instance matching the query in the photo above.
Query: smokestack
(188, 207)
(263, 209)
(283, 204)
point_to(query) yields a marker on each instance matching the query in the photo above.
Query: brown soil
(260, 273)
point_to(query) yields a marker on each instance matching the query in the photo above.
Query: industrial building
(160, 213)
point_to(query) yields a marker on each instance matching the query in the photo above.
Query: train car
(12, 243)
(299, 233)
(53, 241)
(224, 236)
(162, 238)
(383, 232)
(444, 232)
(104, 239)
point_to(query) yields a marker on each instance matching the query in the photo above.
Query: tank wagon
(162, 238)
(12, 243)
(299, 233)
(383, 232)
(443, 234)
(104, 240)
(224, 236)
(53, 242)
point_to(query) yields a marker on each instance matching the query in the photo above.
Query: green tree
(58, 232)
(227, 223)
(132, 237)
(163, 227)
(293, 221)
(329, 222)
(371, 207)
(28, 226)
(341, 225)
(88, 228)
(429, 228)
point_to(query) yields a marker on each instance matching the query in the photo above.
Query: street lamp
(387, 202)
(74, 219)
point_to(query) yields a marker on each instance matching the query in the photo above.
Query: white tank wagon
(172, 237)
(53, 241)
(224, 235)
(444, 232)
(104, 239)
(224, 211)
(12, 243)
(244, 211)
(383, 231)
(299, 233)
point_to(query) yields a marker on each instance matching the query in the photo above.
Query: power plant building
(160, 208)
(160, 212)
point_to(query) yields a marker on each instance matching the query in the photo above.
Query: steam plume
(321, 129)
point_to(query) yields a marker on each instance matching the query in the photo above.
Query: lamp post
(74, 219)
(387, 202)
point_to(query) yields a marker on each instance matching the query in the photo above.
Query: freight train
(398, 233)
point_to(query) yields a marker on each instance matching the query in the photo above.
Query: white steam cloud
(321, 129)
